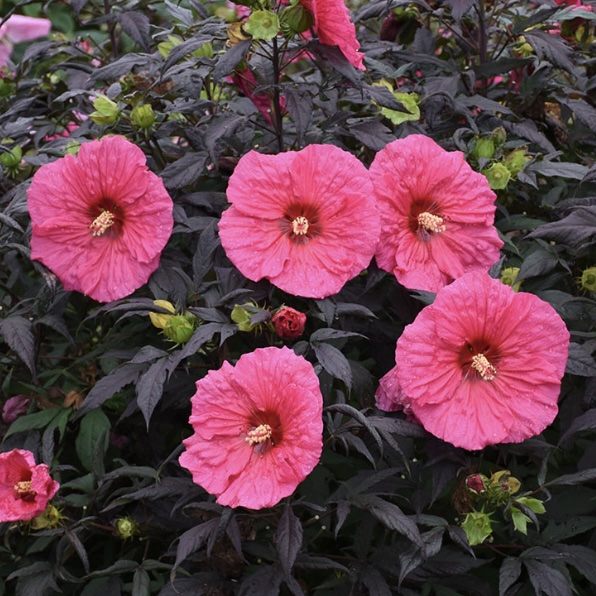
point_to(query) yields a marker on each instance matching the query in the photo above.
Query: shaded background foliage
(109, 394)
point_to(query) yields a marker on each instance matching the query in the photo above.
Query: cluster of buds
(496, 493)
(286, 322)
(498, 163)
(509, 276)
(177, 327)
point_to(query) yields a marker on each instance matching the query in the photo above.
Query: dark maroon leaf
(546, 579)
(149, 387)
(230, 60)
(581, 361)
(288, 539)
(17, 333)
(334, 362)
(136, 24)
(193, 539)
(184, 171)
(573, 230)
(391, 516)
(110, 384)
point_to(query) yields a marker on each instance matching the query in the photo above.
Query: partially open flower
(288, 322)
(25, 487)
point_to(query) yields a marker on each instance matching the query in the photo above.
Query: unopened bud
(143, 116)
(498, 176)
(262, 24)
(295, 19)
(107, 111)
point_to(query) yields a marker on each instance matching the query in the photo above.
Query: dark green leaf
(92, 441)
(33, 421)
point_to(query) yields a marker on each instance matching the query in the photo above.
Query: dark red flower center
(425, 221)
(23, 490)
(301, 223)
(106, 218)
(479, 360)
(263, 431)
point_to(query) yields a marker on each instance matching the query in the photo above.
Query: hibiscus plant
(298, 297)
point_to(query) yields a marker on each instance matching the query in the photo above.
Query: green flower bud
(12, 158)
(262, 24)
(485, 148)
(588, 279)
(295, 19)
(50, 518)
(107, 111)
(498, 176)
(126, 527)
(477, 527)
(179, 328)
(143, 116)
(241, 316)
(500, 135)
(516, 161)
(509, 277)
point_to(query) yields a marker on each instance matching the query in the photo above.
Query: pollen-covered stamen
(259, 434)
(300, 226)
(431, 223)
(23, 490)
(486, 370)
(102, 223)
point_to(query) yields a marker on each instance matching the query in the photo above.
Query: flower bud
(107, 111)
(516, 161)
(588, 279)
(143, 116)
(160, 320)
(126, 527)
(14, 407)
(12, 158)
(50, 518)
(180, 328)
(509, 277)
(288, 322)
(476, 483)
(500, 135)
(295, 19)
(485, 148)
(262, 24)
(498, 176)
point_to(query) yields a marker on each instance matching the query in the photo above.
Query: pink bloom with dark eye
(25, 487)
(17, 29)
(100, 220)
(483, 364)
(304, 220)
(14, 407)
(257, 428)
(334, 28)
(437, 214)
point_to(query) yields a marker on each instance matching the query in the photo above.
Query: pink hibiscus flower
(483, 364)
(25, 488)
(334, 28)
(17, 29)
(257, 428)
(437, 214)
(100, 220)
(304, 220)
